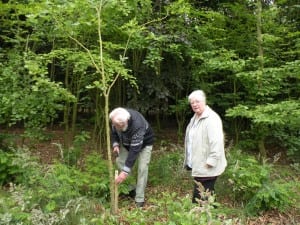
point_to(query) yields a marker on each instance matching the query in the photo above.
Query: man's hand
(122, 176)
(116, 150)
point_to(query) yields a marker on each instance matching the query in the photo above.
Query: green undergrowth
(63, 194)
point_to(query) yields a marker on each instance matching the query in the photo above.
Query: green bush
(16, 165)
(13, 206)
(245, 175)
(7, 170)
(54, 194)
(74, 153)
(7, 140)
(270, 196)
(62, 183)
(165, 167)
(251, 184)
(54, 187)
(95, 177)
(289, 139)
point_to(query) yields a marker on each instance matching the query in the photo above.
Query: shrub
(55, 187)
(16, 165)
(73, 154)
(13, 206)
(270, 196)
(245, 175)
(96, 177)
(252, 185)
(7, 170)
(166, 166)
(289, 139)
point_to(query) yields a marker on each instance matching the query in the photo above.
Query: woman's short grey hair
(197, 95)
(119, 115)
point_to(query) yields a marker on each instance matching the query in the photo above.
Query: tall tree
(266, 81)
(108, 55)
(28, 96)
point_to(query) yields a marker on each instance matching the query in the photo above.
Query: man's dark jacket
(137, 135)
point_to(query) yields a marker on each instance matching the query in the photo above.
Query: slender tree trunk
(110, 164)
(67, 112)
(106, 94)
(74, 118)
(100, 125)
(262, 149)
(104, 91)
(261, 143)
(259, 35)
(95, 134)
(77, 86)
(235, 122)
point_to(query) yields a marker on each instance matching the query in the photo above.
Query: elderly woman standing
(204, 145)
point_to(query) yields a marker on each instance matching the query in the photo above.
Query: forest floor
(47, 151)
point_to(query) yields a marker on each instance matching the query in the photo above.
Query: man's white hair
(119, 115)
(197, 95)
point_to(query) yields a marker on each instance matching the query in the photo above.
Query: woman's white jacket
(207, 144)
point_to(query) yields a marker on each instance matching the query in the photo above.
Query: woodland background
(65, 64)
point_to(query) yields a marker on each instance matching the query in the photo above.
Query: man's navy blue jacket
(137, 135)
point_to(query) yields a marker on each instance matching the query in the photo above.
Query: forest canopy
(243, 54)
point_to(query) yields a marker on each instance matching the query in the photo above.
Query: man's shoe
(132, 193)
(139, 204)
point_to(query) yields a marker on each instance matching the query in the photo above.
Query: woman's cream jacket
(207, 144)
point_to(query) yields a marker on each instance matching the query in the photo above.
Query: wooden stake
(116, 197)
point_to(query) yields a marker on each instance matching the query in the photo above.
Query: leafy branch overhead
(283, 113)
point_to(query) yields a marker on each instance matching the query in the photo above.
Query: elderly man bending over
(132, 139)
